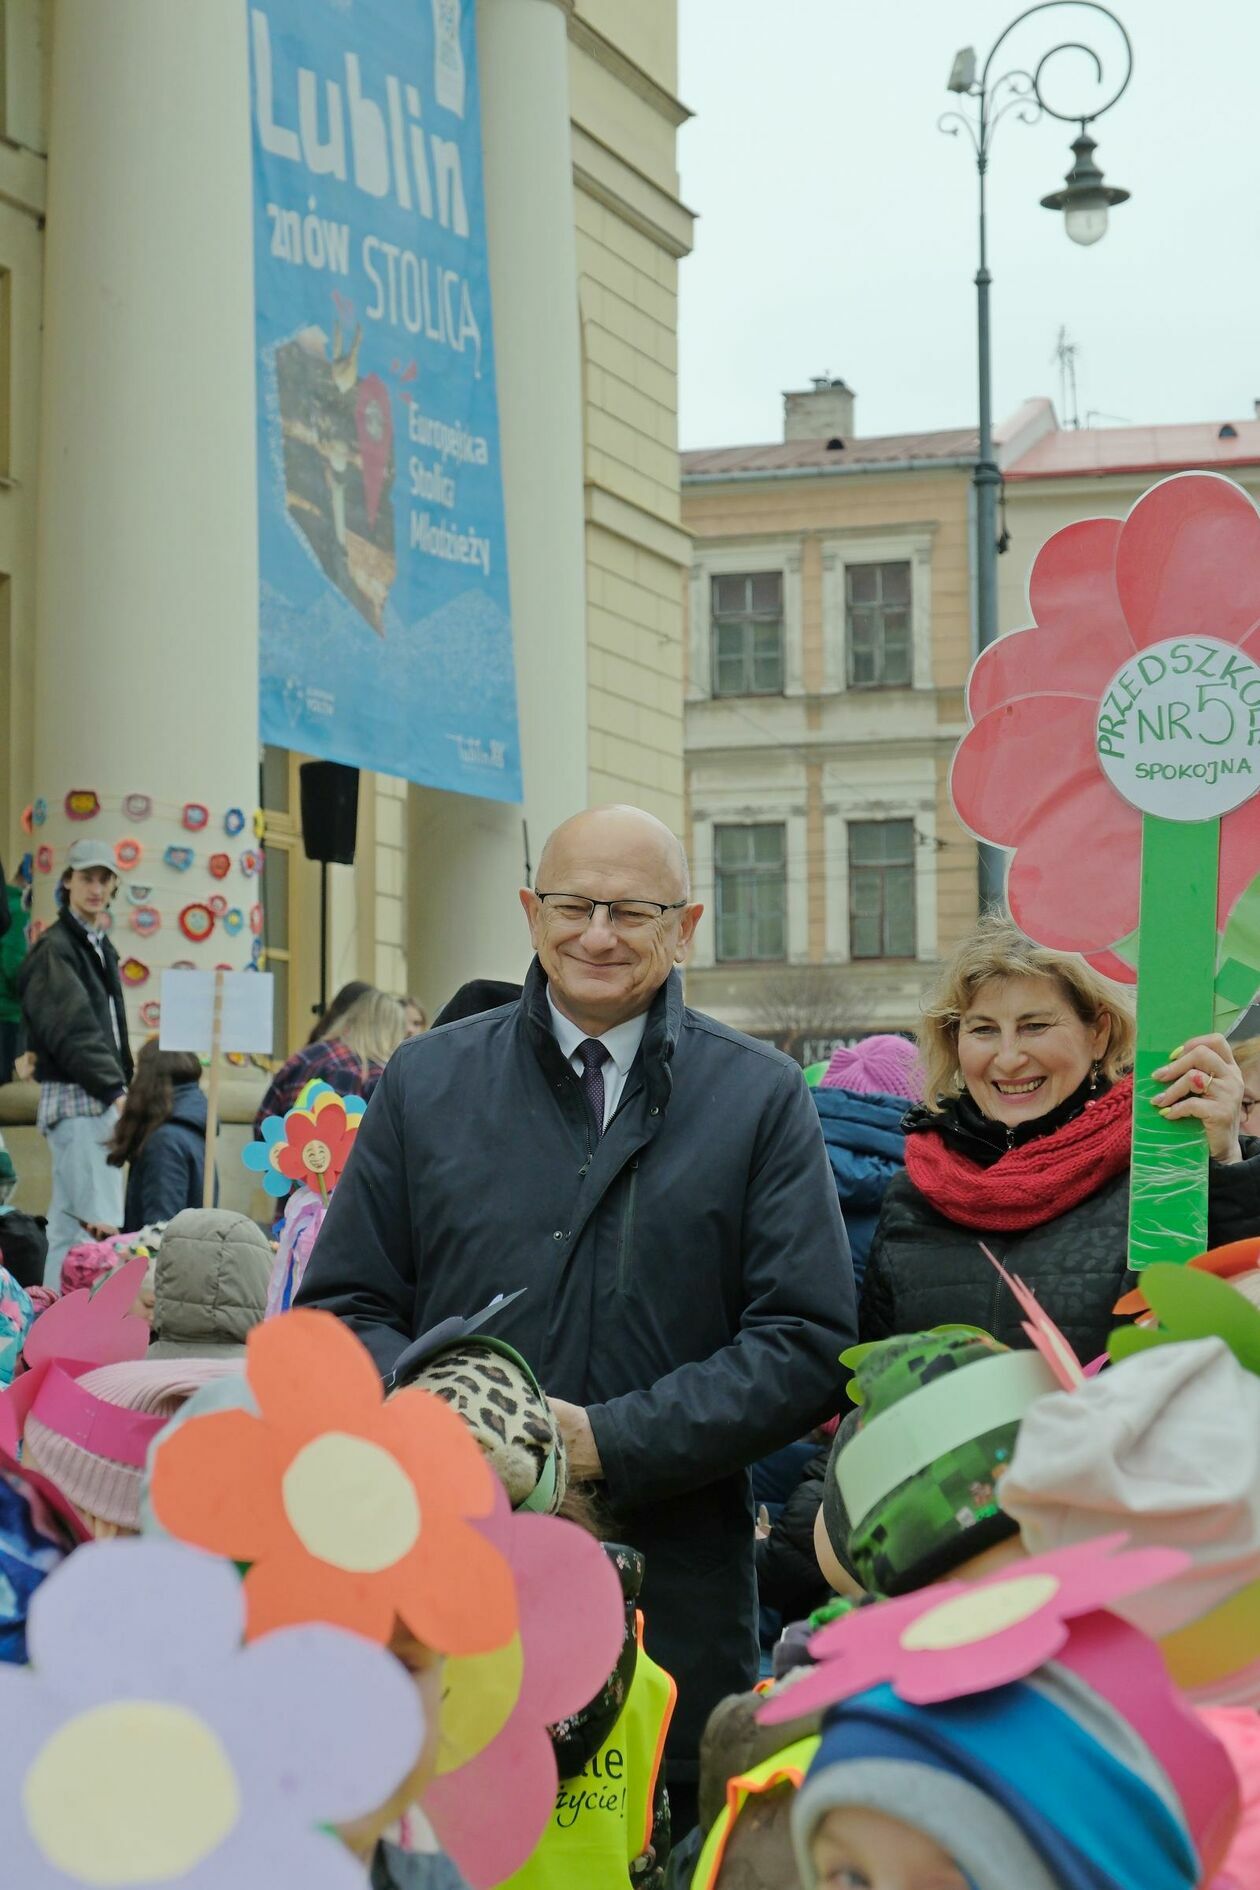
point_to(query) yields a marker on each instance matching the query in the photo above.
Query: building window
(750, 866)
(881, 889)
(877, 619)
(747, 613)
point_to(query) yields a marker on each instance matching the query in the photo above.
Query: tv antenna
(1065, 352)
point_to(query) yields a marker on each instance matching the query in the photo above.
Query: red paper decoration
(256, 920)
(43, 859)
(151, 1014)
(82, 803)
(220, 865)
(133, 972)
(145, 920)
(128, 853)
(137, 806)
(196, 922)
(217, 904)
(28, 819)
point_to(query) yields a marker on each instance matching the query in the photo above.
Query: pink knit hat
(89, 1435)
(876, 1066)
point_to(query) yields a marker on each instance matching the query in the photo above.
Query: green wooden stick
(1168, 1218)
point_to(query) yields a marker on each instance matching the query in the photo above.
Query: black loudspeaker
(330, 811)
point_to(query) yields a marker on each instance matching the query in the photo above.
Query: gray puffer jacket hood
(210, 1284)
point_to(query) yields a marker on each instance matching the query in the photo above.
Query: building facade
(128, 619)
(829, 638)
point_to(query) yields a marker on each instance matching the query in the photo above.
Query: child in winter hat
(1042, 1784)
(501, 1401)
(876, 1066)
(911, 1489)
(89, 1434)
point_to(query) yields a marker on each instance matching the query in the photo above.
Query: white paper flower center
(1178, 729)
(979, 1614)
(135, 1792)
(351, 1504)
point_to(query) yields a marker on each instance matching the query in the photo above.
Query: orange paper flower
(348, 1509)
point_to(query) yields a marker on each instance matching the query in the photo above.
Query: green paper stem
(1177, 942)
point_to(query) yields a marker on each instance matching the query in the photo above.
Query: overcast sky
(836, 225)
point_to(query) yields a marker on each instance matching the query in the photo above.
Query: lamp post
(1085, 201)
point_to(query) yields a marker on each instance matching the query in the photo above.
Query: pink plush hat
(90, 1434)
(876, 1066)
(1165, 1446)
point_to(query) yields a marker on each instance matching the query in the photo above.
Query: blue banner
(384, 632)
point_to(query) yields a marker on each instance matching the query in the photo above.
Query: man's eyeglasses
(624, 915)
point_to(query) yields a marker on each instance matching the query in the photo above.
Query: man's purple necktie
(594, 1056)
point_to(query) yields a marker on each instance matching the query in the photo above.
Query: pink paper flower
(496, 1783)
(958, 1638)
(1185, 563)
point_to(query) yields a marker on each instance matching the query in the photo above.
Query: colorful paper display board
(1115, 750)
(385, 637)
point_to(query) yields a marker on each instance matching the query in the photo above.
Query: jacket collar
(660, 1038)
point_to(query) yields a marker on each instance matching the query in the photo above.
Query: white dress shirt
(621, 1042)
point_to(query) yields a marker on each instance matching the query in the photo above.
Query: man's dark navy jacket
(689, 1277)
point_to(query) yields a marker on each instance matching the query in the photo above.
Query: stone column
(466, 856)
(147, 566)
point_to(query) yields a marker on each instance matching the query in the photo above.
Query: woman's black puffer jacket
(926, 1271)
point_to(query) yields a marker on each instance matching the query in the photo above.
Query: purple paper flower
(145, 1746)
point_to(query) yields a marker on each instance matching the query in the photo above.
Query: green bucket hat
(917, 1478)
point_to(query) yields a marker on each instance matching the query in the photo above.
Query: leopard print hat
(503, 1405)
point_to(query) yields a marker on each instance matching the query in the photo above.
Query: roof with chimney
(1029, 444)
(953, 443)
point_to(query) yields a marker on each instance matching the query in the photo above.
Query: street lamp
(1085, 201)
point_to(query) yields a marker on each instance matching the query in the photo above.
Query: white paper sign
(1179, 729)
(188, 1010)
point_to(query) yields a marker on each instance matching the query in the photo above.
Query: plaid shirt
(57, 1101)
(328, 1060)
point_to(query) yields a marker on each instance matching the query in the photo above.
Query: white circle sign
(1178, 729)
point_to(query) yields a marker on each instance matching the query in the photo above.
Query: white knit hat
(1166, 1446)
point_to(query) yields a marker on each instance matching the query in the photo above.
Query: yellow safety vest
(603, 1817)
(782, 1768)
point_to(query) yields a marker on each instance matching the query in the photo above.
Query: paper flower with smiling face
(496, 1708)
(309, 1145)
(346, 1508)
(145, 1746)
(317, 1143)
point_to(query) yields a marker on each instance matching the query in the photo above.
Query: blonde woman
(351, 1058)
(1024, 1144)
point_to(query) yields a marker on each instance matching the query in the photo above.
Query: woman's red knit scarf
(1034, 1183)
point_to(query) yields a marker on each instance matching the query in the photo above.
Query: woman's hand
(1203, 1081)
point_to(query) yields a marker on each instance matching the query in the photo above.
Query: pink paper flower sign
(959, 1638)
(497, 1707)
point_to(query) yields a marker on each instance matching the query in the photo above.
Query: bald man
(659, 1184)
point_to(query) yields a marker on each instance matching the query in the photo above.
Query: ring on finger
(1203, 1082)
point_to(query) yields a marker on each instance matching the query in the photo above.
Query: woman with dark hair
(326, 1026)
(161, 1133)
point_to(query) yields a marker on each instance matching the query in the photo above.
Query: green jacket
(12, 952)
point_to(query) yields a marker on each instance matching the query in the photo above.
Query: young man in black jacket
(76, 1024)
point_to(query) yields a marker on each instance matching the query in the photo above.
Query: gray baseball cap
(88, 853)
